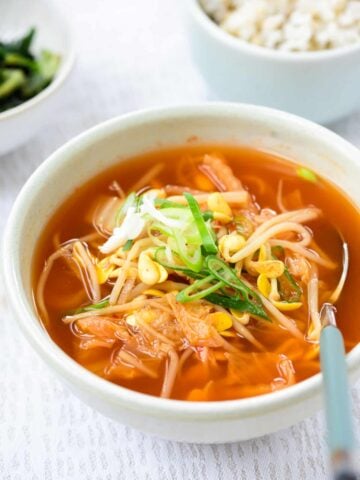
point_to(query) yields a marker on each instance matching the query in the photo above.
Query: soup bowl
(112, 142)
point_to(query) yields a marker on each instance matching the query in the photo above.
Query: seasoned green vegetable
(10, 81)
(22, 73)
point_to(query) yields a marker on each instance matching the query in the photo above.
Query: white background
(130, 55)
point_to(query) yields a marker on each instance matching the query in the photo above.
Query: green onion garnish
(189, 254)
(223, 276)
(208, 215)
(290, 291)
(128, 245)
(160, 258)
(243, 225)
(196, 291)
(95, 306)
(206, 237)
(227, 275)
(237, 304)
(130, 201)
(306, 174)
(164, 203)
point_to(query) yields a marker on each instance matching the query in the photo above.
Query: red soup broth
(260, 172)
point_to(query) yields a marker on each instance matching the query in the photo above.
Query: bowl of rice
(300, 56)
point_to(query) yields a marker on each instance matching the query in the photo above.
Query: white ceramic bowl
(322, 86)
(110, 143)
(19, 124)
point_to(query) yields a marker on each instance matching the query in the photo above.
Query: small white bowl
(112, 142)
(19, 124)
(322, 86)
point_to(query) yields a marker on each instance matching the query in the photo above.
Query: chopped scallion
(237, 304)
(306, 174)
(160, 258)
(191, 255)
(164, 203)
(130, 201)
(223, 272)
(290, 291)
(128, 245)
(95, 306)
(206, 237)
(199, 289)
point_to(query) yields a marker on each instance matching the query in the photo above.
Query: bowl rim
(266, 53)
(66, 65)
(73, 372)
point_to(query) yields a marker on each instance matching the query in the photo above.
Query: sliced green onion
(130, 201)
(138, 202)
(223, 272)
(160, 227)
(243, 225)
(196, 291)
(306, 174)
(182, 214)
(194, 259)
(128, 245)
(191, 235)
(164, 203)
(208, 215)
(290, 291)
(237, 304)
(206, 237)
(95, 306)
(160, 258)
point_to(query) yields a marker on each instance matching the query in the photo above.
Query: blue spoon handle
(346, 476)
(337, 398)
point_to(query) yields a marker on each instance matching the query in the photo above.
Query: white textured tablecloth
(130, 55)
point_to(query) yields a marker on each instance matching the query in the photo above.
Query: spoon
(336, 388)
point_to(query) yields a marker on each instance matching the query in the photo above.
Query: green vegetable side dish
(22, 73)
